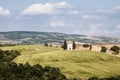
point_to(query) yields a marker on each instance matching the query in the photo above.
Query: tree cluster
(12, 71)
(115, 49)
(3, 45)
(7, 56)
(109, 78)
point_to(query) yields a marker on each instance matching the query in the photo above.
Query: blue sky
(88, 17)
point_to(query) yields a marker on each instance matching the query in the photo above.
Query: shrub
(103, 49)
(86, 45)
(46, 44)
(50, 45)
(115, 49)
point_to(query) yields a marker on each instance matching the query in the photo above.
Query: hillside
(79, 64)
(25, 37)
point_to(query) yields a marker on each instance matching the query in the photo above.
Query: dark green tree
(74, 45)
(46, 44)
(103, 49)
(90, 47)
(86, 45)
(93, 78)
(50, 45)
(115, 49)
(65, 45)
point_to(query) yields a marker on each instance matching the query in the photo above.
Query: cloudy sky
(89, 17)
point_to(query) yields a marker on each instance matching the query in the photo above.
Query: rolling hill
(76, 63)
(29, 37)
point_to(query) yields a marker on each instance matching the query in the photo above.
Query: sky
(85, 17)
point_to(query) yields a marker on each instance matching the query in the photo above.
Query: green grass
(79, 64)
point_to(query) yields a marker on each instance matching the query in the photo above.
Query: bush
(50, 45)
(103, 49)
(46, 44)
(115, 49)
(86, 45)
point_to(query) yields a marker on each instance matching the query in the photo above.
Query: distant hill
(29, 37)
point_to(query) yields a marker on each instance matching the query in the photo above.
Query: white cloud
(58, 23)
(116, 8)
(105, 11)
(94, 29)
(91, 17)
(47, 8)
(4, 12)
(75, 12)
(61, 5)
(112, 10)
(118, 26)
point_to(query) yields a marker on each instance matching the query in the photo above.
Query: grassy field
(79, 64)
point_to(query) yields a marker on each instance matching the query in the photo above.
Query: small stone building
(69, 46)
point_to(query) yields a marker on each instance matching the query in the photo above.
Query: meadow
(77, 63)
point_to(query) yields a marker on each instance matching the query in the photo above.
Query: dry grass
(78, 63)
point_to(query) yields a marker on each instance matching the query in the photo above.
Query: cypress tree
(90, 47)
(74, 45)
(65, 45)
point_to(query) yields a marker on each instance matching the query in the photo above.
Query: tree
(74, 45)
(65, 45)
(86, 45)
(103, 49)
(115, 49)
(90, 47)
(50, 45)
(93, 78)
(46, 44)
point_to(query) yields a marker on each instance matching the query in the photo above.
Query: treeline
(3, 45)
(8, 55)
(115, 49)
(109, 78)
(11, 71)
